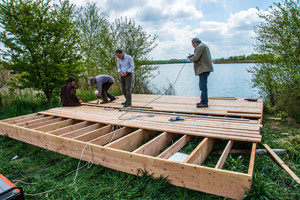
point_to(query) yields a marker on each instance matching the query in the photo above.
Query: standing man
(202, 67)
(68, 93)
(103, 82)
(125, 66)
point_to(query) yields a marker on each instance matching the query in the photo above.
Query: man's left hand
(98, 101)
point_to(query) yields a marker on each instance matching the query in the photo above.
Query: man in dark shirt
(202, 67)
(104, 82)
(68, 93)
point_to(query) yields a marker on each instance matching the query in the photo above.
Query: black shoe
(126, 105)
(111, 100)
(123, 103)
(103, 102)
(202, 105)
(198, 104)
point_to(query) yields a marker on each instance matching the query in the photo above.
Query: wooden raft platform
(136, 139)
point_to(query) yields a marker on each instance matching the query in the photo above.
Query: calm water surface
(227, 80)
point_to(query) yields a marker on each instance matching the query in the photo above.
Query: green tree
(93, 24)
(133, 40)
(41, 42)
(277, 39)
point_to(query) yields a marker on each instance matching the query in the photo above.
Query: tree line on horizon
(252, 58)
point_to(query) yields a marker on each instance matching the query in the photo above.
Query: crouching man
(104, 82)
(68, 93)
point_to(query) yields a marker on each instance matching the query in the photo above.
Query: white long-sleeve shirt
(126, 64)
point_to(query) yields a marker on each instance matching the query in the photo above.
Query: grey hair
(92, 80)
(196, 40)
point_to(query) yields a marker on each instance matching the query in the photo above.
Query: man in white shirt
(125, 66)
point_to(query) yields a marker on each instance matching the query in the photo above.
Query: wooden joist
(215, 181)
(130, 142)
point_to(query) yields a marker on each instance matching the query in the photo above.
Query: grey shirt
(102, 79)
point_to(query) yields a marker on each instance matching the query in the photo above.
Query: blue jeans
(203, 87)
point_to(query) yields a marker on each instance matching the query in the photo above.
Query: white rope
(19, 181)
(129, 118)
(168, 88)
(90, 163)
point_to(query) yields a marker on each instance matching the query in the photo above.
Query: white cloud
(176, 22)
(244, 19)
(234, 37)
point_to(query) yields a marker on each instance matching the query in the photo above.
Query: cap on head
(196, 40)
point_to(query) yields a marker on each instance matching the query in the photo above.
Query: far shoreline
(214, 62)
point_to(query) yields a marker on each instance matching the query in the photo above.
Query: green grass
(51, 171)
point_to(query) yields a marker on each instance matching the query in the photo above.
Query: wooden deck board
(184, 104)
(132, 141)
(159, 122)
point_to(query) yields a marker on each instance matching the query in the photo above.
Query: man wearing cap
(125, 66)
(68, 93)
(202, 67)
(104, 82)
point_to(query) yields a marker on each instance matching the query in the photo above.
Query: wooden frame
(143, 143)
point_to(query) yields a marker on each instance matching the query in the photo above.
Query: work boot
(201, 105)
(127, 105)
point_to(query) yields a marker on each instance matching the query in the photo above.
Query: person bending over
(104, 82)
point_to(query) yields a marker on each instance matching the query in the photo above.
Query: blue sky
(226, 26)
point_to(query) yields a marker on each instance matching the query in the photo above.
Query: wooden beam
(175, 147)
(90, 127)
(154, 146)
(94, 134)
(34, 121)
(214, 181)
(107, 138)
(69, 128)
(133, 140)
(55, 125)
(224, 155)
(281, 163)
(252, 159)
(45, 122)
(23, 118)
(200, 152)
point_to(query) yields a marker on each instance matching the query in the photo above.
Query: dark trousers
(105, 94)
(203, 87)
(126, 83)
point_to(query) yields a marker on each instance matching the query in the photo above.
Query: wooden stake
(281, 163)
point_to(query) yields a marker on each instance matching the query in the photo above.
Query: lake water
(227, 80)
